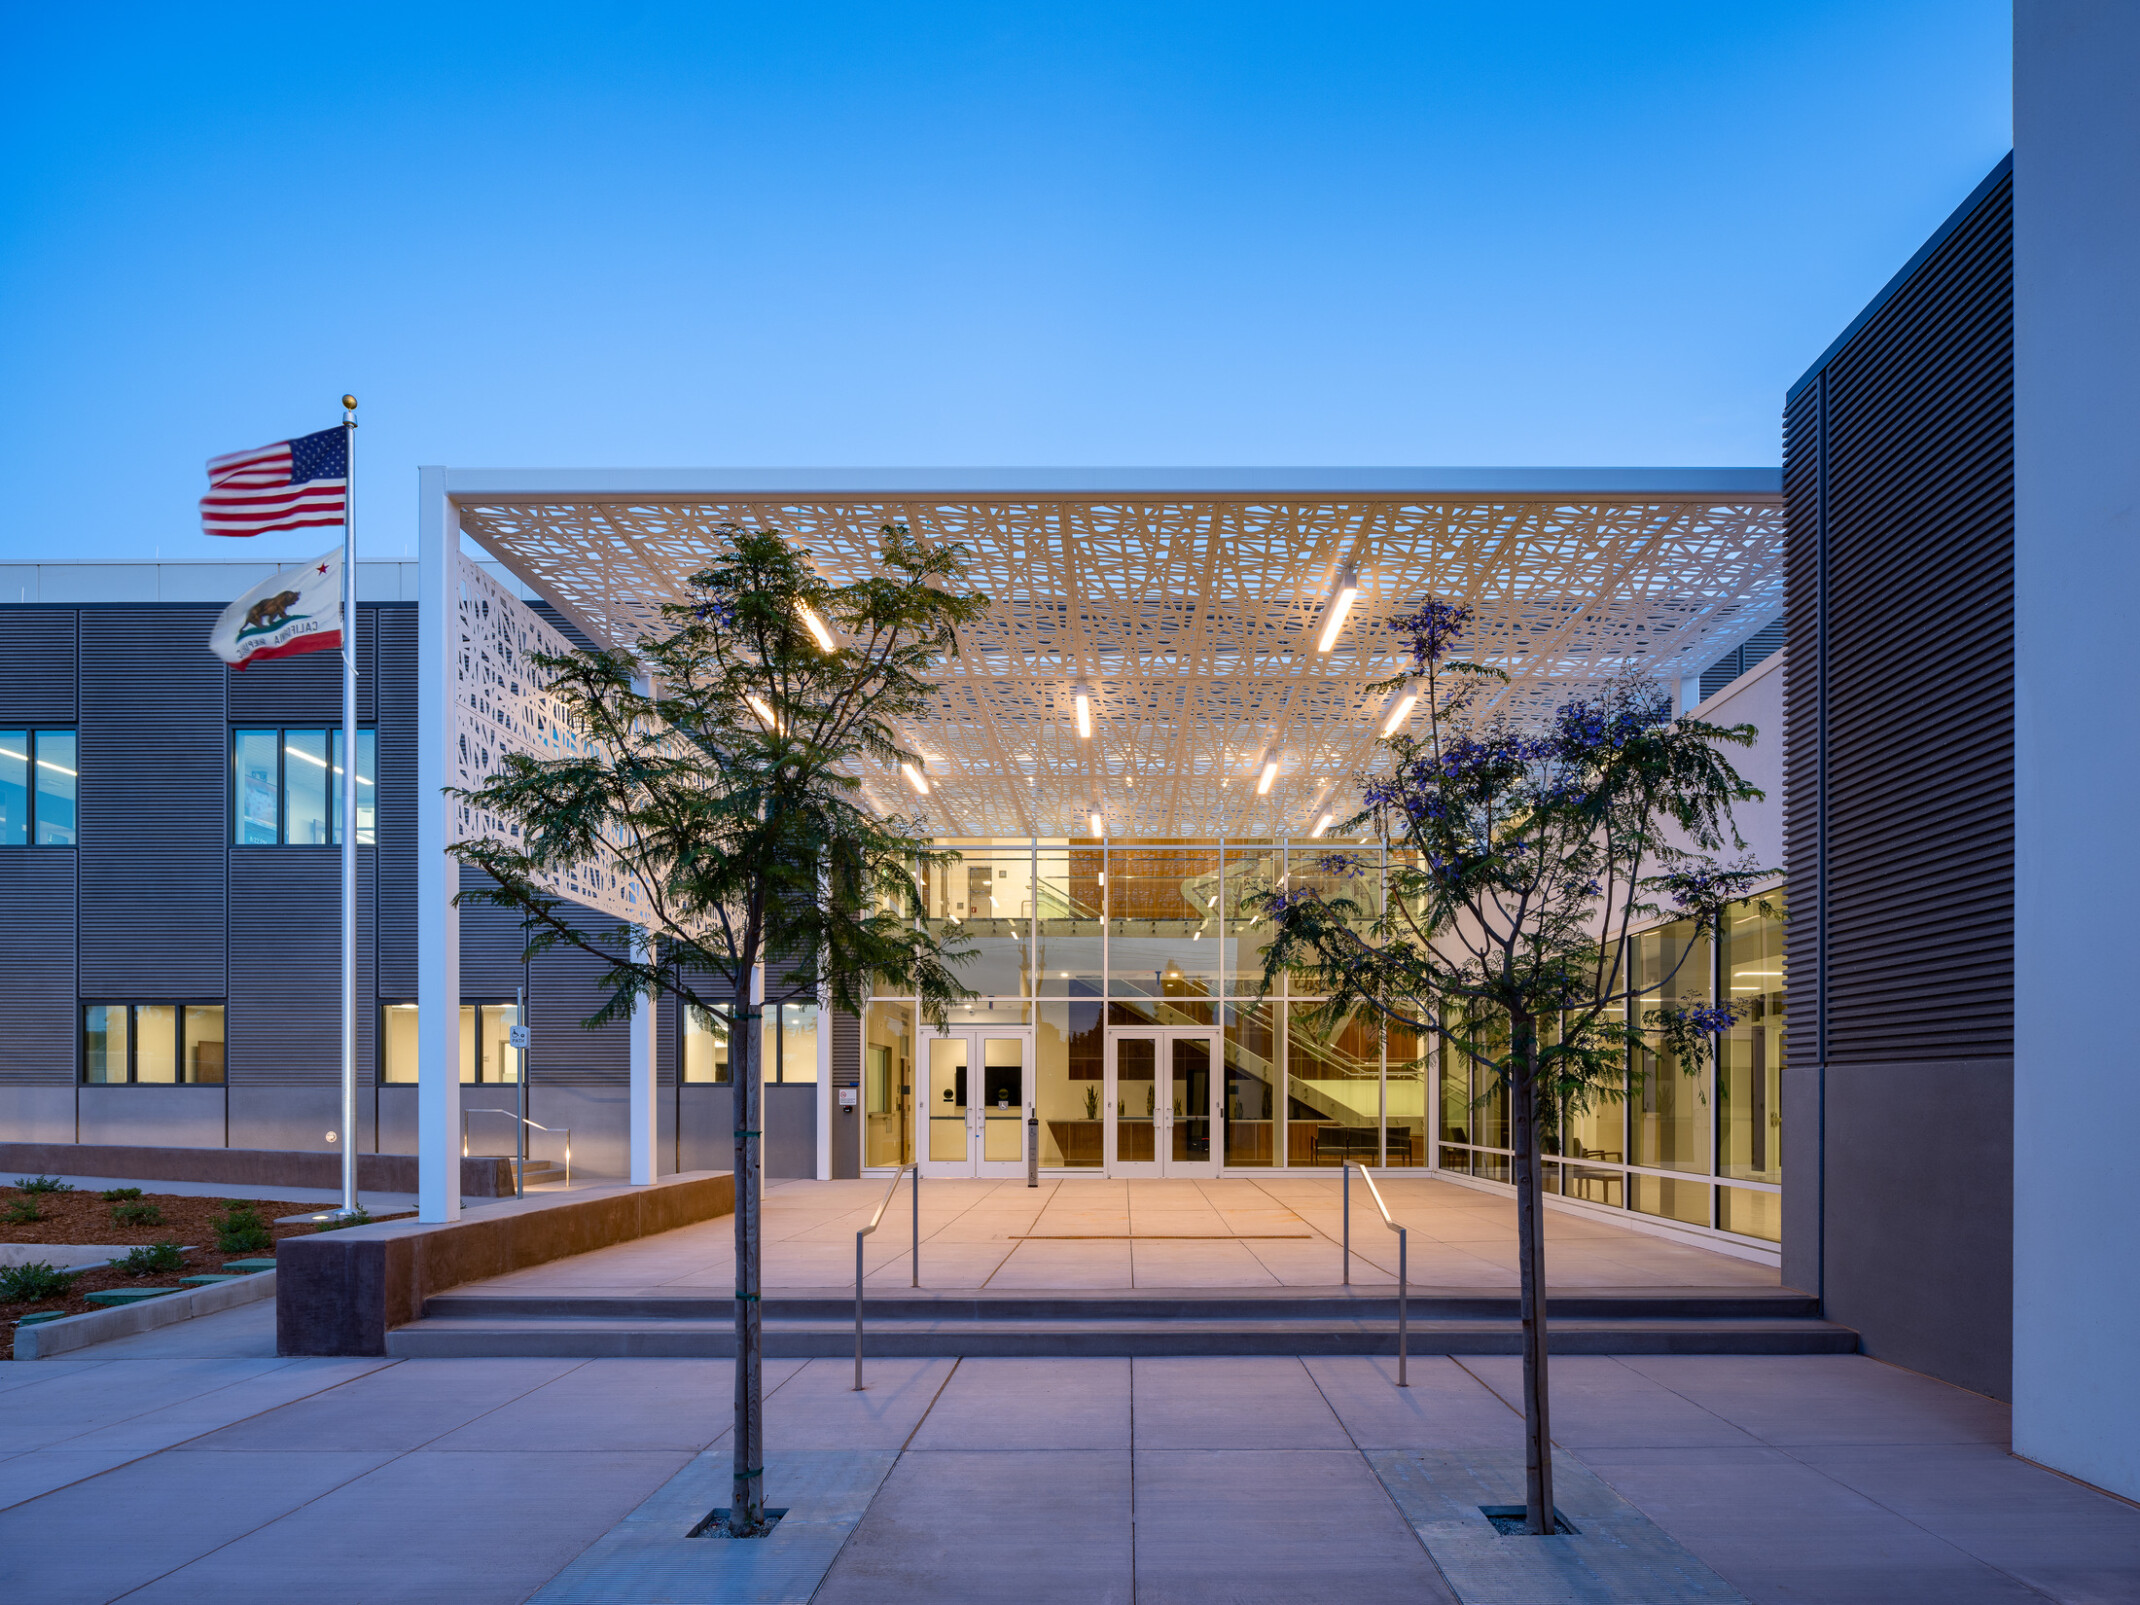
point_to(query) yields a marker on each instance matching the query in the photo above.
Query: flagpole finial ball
(350, 402)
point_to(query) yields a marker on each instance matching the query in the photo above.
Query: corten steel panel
(307, 690)
(37, 1042)
(37, 665)
(1898, 485)
(155, 801)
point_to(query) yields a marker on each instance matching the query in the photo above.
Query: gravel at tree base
(85, 1216)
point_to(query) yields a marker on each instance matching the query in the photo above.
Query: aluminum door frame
(1162, 1164)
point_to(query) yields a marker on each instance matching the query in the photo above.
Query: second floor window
(37, 775)
(288, 787)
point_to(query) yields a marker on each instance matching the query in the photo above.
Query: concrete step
(819, 1323)
(1139, 1304)
(447, 1337)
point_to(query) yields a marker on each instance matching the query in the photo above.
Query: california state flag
(299, 610)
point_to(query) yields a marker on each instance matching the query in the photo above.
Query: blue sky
(710, 234)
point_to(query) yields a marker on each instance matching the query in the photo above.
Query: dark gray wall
(1898, 487)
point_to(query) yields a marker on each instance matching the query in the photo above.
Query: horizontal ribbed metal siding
(307, 690)
(846, 1049)
(1802, 721)
(286, 965)
(154, 804)
(1915, 665)
(37, 666)
(564, 988)
(37, 965)
(395, 686)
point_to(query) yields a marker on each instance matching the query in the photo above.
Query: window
(288, 787)
(787, 1047)
(37, 775)
(172, 1044)
(487, 1054)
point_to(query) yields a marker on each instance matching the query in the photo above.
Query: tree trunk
(746, 1507)
(1531, 1255)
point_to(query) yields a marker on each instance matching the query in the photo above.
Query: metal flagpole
(349, 805)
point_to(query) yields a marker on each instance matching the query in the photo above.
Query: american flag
(292, 484)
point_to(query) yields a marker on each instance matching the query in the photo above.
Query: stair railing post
(858, 1312)
(1347, 1173)
(1402, 1277)
(914, 1259)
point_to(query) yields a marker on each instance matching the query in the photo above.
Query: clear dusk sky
(940, 234)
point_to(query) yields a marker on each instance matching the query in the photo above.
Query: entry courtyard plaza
(1281, 1230)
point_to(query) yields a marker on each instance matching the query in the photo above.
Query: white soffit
(1189, 601)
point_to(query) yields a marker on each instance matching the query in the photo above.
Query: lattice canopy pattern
(1194, 620)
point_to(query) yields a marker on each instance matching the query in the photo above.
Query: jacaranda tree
(722, 775)
(1520, 857)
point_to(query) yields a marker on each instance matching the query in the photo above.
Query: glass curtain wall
(1076, 937)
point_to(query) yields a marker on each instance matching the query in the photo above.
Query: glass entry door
(1162, 1103)
(978, 1096)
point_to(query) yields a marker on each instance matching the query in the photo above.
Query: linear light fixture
(1348, 593)
(1081, 696)
(1270, 773)
(1098, 824)
(816, 626)
(1400, 710)
(1321, 825)
(764, 713)
(914, 778)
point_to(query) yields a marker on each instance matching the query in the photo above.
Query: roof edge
(476, 484)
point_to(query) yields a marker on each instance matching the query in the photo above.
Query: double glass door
(1162, 1103)
(978, 1095)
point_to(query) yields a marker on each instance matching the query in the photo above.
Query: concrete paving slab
(1255, 1526)
(404, 1406)
(1004, 1404)
(1599, 1402)
(209, 1412)
(1827, 1399)
(67, 1548)
(118, 1391)
(244, 1332)
(1250, 1402)
(1445, 1406)
(622, 1405)
(647, 1559)
(536, 1512)
(953, 1527)
(817, 1410)
(1617, 1556)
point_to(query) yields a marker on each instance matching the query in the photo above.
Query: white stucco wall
(2077, 725)
(1756, 698)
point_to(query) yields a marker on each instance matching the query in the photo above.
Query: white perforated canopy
(1191, 603)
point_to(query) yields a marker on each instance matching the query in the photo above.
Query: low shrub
(132, 1214)
(153, 1259)
(43, 1184)
(363, 1217)
(21, 1211)
(243, 1230)
(26, 1284)
(114, 1194)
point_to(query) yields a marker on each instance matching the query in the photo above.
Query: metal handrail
(913, 1259)
(1403, 1266)
(523, 1119)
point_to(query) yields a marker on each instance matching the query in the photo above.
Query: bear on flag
(298, 610)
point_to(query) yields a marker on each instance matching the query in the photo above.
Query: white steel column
(438, 922)
(643, 1115)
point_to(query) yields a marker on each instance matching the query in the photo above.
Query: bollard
(1032, 1150)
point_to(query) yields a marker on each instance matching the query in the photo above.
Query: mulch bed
(85, 1217)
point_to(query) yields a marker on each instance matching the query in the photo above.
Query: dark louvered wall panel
(564, 988)
(846, 1049)
(308, 689)
(1801, 719)
(286, 965)
(37, 666)
(154, 804)
(37, 965)
(1916, 671)
(395, 686)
